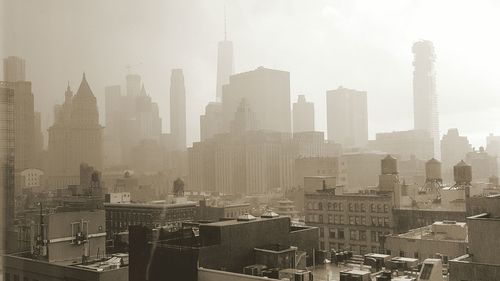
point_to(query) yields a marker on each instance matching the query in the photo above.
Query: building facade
(267, 92)
(347, 117)
(119, 216)
(303, 115)
(178, 109)
(355, 222)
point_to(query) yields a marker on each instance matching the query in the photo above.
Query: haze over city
(364, 45)
(267, 140)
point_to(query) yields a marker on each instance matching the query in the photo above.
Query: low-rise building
(445, 239)
(221, 250)
(119, 216)
(481, 261)
(221, 210)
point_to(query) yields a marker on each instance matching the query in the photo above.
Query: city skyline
(391, 54)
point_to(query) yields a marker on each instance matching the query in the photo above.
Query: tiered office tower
(75, 137)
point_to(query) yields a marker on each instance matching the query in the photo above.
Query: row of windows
(143, 216)
(416, 255)
(354, 235)
(352, 220)
(352, 207)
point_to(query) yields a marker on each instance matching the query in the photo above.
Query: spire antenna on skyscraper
(225, 23)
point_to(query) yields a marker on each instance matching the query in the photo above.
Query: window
(401, 253)
(331, 219)
(362, 206)
(353, 235)
(362, 235)
(320, 206)
(350, 207)
(352, 220)
(373, 236)
(340, 233)
(415, 255)
(372, 208)
(356, 207)
(321, 232)
(333, 233)
(386, 208)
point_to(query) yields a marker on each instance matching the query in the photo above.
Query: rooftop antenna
(225, 23)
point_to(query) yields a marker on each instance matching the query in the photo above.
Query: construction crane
(129, 67)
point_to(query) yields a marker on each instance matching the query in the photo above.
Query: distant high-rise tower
(133, 85)
(225, 65)
(24, 110)
(178, 109)
(303, 115)
(347, 117)
(267, 92)
(426, 116)
(14, 69)
(75, 137)
(7, 148)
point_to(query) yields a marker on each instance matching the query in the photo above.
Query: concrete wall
(238, 241)
(483, 239)
(215, 275)
(44, 271)
(424, 248)
(406, 219)
(466, 271)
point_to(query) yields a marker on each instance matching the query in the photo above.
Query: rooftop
(439, 231)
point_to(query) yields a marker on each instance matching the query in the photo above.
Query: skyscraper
(14, 69)
(225, 65)
(7, 147)
(267, 92)
(426, 116)
(75, 137)
(347, 117)
(24, 110)
(178, 109)
(211, 123)
(453, 149)
(303, 115)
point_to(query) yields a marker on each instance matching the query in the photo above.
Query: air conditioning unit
(79, 239)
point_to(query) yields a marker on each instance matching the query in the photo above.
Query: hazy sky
(365, 45)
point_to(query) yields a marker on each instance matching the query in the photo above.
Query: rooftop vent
(269, 214)
(246, 217)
